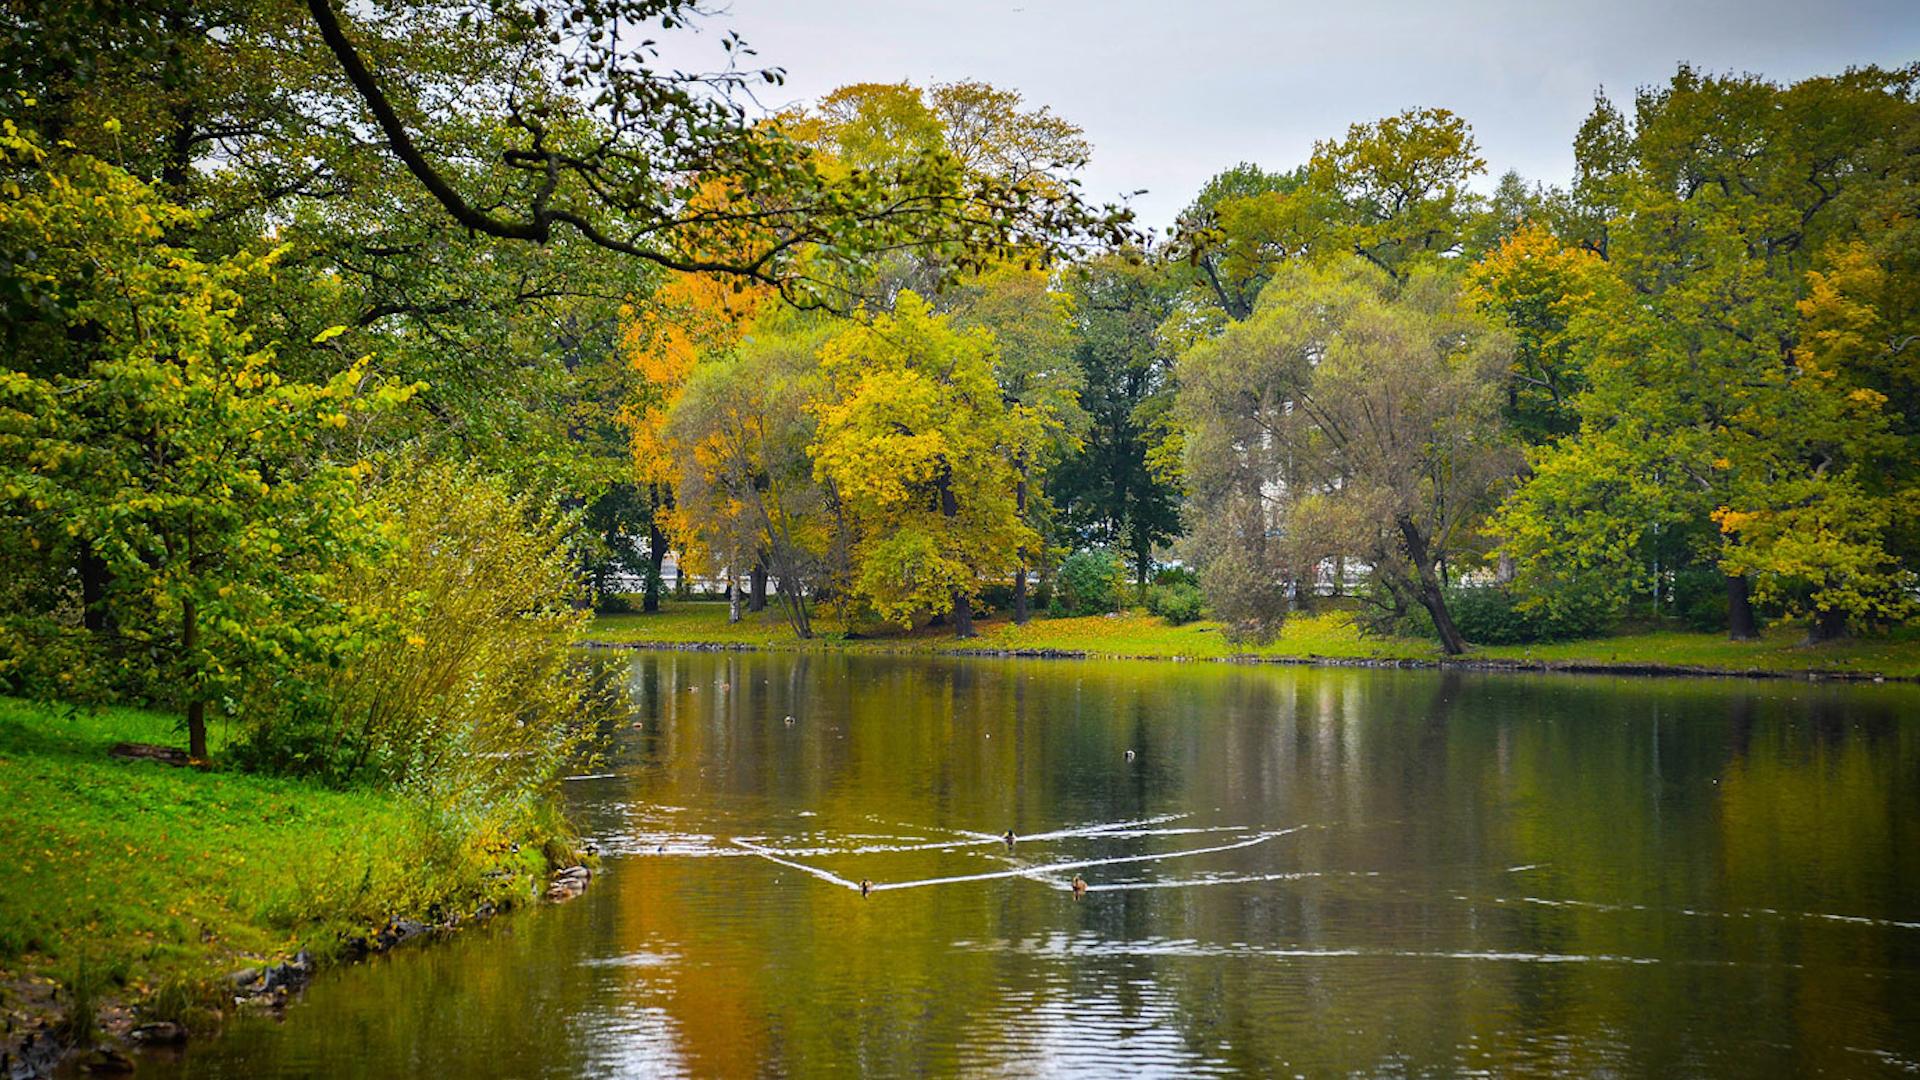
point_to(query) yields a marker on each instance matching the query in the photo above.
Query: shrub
(1176, 601)
(1089, 583)
(469, 691)
(1491, 615)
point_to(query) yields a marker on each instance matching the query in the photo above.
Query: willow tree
(1350, 416)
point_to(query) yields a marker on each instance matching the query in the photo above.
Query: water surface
(1300, 871)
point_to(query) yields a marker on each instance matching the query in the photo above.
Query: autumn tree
(744, 483)
(916, 445)
(1032, 330)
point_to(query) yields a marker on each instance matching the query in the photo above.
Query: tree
(916, 446)
(1033, 333)
(1351, 415)
(145, 430)
(1716, 200)
(1399, 187)
(1536, 286)
(664, 339)
(1244, 223)
(743, 481)
(1109, 491)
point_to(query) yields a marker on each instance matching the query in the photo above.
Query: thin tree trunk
(93, 589)
(1740, 625)
(1020, 613)
(962, 613)
(196, 705)
(656, 558)
(733, 596)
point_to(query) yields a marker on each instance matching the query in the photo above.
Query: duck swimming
(1079, 886)
(866, 886)
(1008, 837)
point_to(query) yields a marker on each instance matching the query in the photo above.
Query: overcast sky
(1171, 92)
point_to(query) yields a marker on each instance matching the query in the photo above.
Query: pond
(1294, 871)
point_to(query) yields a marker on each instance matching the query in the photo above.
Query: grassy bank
(1330, 637)
(134, 882)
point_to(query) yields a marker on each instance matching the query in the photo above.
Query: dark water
(1301, 872)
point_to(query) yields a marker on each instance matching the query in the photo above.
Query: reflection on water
(1297, 871)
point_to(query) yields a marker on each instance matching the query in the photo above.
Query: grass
(161, 877)
(1329, 636)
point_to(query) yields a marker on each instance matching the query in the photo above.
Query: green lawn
(1329, 636)
(148, 875)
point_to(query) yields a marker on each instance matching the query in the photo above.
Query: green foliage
(470, 696)
(1111, 491)
(1177, 601)
(1723, 407)
(172, 878)
(1490, 615)
(1089, 583)
(147, 436)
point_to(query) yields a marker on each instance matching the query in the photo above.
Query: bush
(1491, 615)
(1176, 601)
(468, 690)
(1089, 583)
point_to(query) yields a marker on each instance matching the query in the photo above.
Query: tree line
(352, 351)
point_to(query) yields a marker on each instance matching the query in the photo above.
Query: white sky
(1170, 93)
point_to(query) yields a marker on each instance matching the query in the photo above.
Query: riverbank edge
(1489, 665)
(233, 982)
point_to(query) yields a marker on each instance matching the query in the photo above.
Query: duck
(866, 886)
(1129, 755)
(1079, 886)
(1008, 837)
(789, 720)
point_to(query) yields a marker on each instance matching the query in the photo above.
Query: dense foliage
(320, 329)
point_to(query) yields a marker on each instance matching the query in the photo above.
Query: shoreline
(1489, 665)
(161, 898)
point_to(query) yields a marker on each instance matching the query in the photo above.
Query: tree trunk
(1829, 625)
(950, 508)
(1432, 596)
(1740, 625)
(733, 596)
(196, 705)
(93, 589)
(1435, 602)
(1020, 614)
(757, 587)
(962, 615)
(656, 558)
(794, 599)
